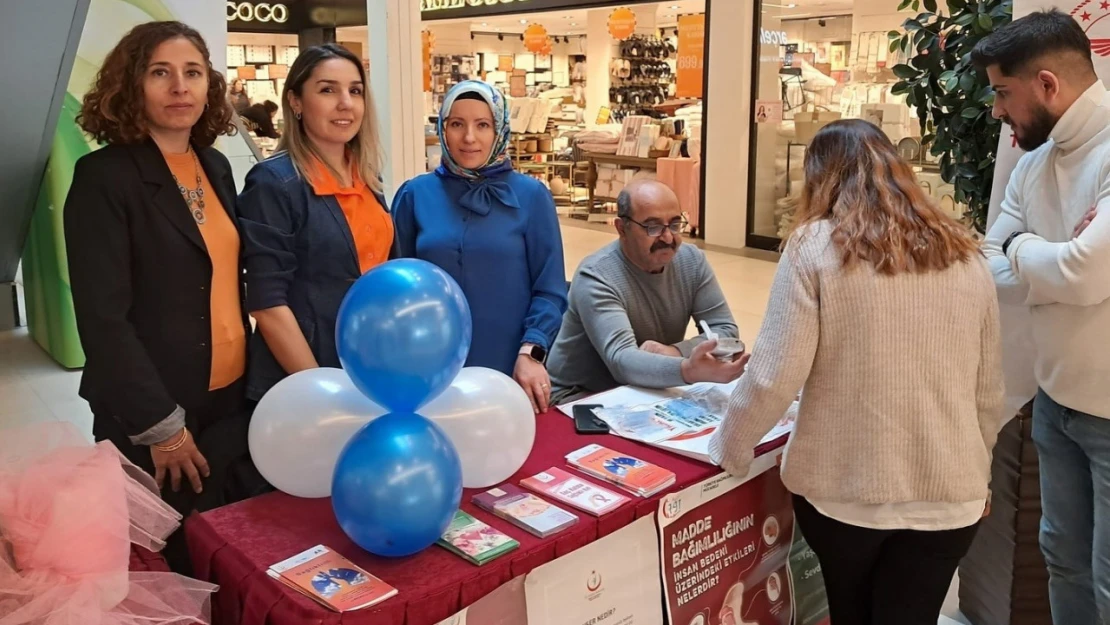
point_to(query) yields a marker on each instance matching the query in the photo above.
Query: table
(143, 560)
(234, 545)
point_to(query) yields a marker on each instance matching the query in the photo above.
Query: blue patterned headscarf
(498, 160)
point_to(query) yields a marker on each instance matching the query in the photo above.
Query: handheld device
(586, 422)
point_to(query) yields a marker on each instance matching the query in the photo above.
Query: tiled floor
(33, 387)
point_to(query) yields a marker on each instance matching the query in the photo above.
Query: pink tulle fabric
(69, 512)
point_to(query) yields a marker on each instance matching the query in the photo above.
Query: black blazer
(141, 275)
(299, 253)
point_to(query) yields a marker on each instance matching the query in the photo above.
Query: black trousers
(881, 577)
(219, 428)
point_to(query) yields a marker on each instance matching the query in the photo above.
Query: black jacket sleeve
(269, 222)
(98, 247)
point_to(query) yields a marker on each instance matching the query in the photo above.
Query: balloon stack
(395, 477)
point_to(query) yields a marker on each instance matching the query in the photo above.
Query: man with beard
(631, 303)
(1050, 250)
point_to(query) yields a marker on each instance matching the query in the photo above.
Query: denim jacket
(299, 252)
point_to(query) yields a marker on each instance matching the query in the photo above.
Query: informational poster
(807, 585)
(681, 420)
(768, 112)
(504, 606)
(690, 62)
(612, 581)
(725, 546)
(1018, 352)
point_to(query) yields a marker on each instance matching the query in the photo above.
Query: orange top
(371, 227)
(221, 238)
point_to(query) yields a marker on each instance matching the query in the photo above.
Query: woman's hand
(532, 377)
(186, 459)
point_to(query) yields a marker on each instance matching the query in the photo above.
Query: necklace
(194, 198)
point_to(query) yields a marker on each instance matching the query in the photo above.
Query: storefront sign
(427, 43)
(439, 5)
(261, 12)
(535, 38)
(612, 581)
(725, 550)
(622, 23)
(772, 37)
(690, 64)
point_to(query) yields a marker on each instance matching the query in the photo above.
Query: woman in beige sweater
(883, 314)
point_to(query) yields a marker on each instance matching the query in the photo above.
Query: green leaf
(986, 98)
(970, 112)
(964, 19)
(916, 5)
(904, 71)
(954, 6)
(894, 34)
(912, 26)
(904, 4)
(985, 163)
(899, 88)
(968, 82)
(985, 21)
(894, 45)
(931, 5)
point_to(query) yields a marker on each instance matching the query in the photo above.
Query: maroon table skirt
(233, 546)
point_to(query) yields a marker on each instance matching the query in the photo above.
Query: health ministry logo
(593, 583)
(1090, 13)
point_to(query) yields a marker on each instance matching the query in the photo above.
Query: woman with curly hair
(154, 264)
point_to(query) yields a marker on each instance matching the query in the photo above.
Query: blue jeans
(1074, 451)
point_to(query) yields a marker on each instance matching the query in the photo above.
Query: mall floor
(34, 388)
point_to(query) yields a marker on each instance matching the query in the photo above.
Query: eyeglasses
(656, 230)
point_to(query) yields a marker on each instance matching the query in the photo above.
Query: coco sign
(261, 12)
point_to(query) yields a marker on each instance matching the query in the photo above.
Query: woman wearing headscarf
(495, 231)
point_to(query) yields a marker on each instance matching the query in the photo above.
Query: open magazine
(680, 419)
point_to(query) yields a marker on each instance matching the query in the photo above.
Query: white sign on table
(611, 581)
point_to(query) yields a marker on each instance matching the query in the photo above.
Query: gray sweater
(615, 307)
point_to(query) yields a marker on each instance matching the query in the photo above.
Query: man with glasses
(632, 301)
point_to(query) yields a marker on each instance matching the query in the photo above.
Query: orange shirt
(371, 227)
(229, 339)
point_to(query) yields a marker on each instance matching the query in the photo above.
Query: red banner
(725, 551)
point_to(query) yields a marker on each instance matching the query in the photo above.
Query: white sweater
(1065, 280)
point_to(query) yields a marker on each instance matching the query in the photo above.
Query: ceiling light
(674, 7)
(568, 17)
(484, 24)
(523, 21)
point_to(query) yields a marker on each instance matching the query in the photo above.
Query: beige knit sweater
(900, 377)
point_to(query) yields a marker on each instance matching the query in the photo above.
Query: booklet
(331, 580)
(474, 540)
(525, 510)
(574, 491)
(632, 474)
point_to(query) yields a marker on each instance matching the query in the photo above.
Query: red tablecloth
(145, 560)
(233, 546)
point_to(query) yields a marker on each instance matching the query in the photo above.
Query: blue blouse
(501, 243)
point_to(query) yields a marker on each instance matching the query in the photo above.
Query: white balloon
(301, 425)
(490, 420)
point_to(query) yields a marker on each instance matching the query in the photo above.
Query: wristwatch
(1009, 240)
(535, 352)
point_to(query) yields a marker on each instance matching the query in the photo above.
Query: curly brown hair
(112, 112)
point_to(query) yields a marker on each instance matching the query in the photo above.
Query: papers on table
(681, 419)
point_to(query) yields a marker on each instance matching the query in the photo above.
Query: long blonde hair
(855, 179)
(365, 148)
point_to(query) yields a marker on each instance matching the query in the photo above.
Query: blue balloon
(397, 485)
(403, 333)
